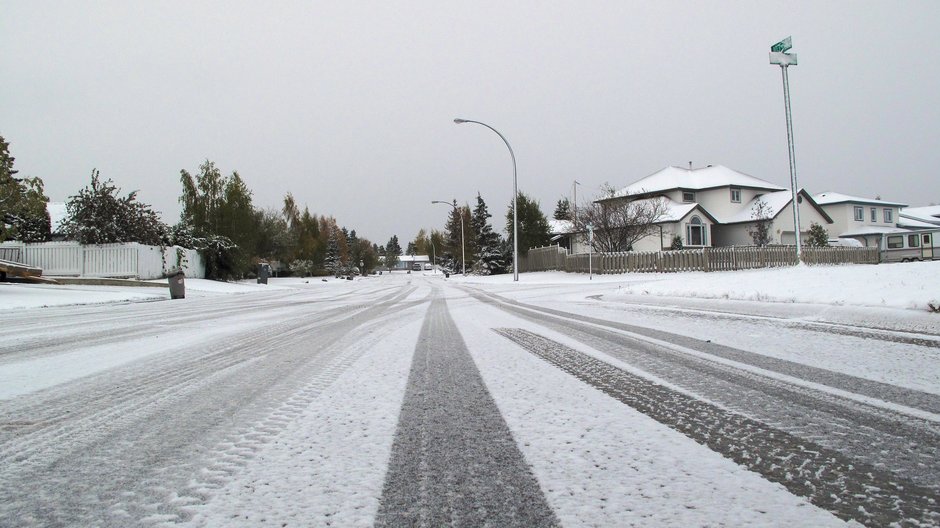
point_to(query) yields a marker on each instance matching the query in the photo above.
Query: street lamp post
(515, 195)
(574, 205)
(590, 251)
(463, 256)
(784, 60)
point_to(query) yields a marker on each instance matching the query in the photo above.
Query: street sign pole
(784, 60)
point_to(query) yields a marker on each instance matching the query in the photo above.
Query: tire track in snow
(829, 479)
(923, 337)
(63, 327)
(29, 415)
(454, 460)
(894, 442)
(238, 448)
(874, 389)
(117, 432)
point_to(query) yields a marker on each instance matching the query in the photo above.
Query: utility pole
(784, 60)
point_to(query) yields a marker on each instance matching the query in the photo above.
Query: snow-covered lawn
(46, 295)
(906, 285)
(909, 286)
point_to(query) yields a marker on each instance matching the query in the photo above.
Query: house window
(695, 234)
(874, 214)
(889, 215)
(688, 196)
(913, 241)
(736, 195)
(895, 242)
(859, 213)
(926, 240)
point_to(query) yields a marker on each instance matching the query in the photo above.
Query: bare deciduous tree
(619, 223)
(762, 213)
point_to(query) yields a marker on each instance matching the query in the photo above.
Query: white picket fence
(71, 259)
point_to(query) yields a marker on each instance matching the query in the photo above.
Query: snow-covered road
(411, 400)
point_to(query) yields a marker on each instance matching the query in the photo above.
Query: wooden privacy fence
(705, 259)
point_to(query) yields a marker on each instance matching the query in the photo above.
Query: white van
(844, 242)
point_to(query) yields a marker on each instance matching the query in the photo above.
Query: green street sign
(783, 45)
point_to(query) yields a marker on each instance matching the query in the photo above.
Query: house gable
(677, 179)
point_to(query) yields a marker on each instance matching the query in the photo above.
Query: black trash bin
(177, 285)
(264, 271)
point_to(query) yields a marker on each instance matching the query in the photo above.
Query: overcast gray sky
(350, 105)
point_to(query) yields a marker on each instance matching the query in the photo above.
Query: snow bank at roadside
(20, 295)
(908, 285)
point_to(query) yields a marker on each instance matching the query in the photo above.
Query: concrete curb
(97, 281)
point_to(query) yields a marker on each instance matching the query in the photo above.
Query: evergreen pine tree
(458, 240)
(533, 226)
(392, 252)
(563, 210)
(676, 244)
(818, 236)
(23, 213)
(332, 264)
(490, 258)
(355, 251)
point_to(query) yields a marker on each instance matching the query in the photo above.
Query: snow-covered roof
(916, 224)
(929, 214)
(57, 214)
(709, 177)
(776, 201)
(828, 198)
(416, 258)
(560, 227)
(676, 211)
(873, 230)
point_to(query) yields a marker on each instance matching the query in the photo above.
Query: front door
(926, 246)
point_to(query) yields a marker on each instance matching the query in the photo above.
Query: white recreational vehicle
(907, 247)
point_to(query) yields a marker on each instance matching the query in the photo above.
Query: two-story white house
(867, 220)
(716, 206)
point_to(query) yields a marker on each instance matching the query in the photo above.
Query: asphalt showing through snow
(826, 477)
(454, 461)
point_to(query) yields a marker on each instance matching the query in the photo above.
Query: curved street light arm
(515, 195)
